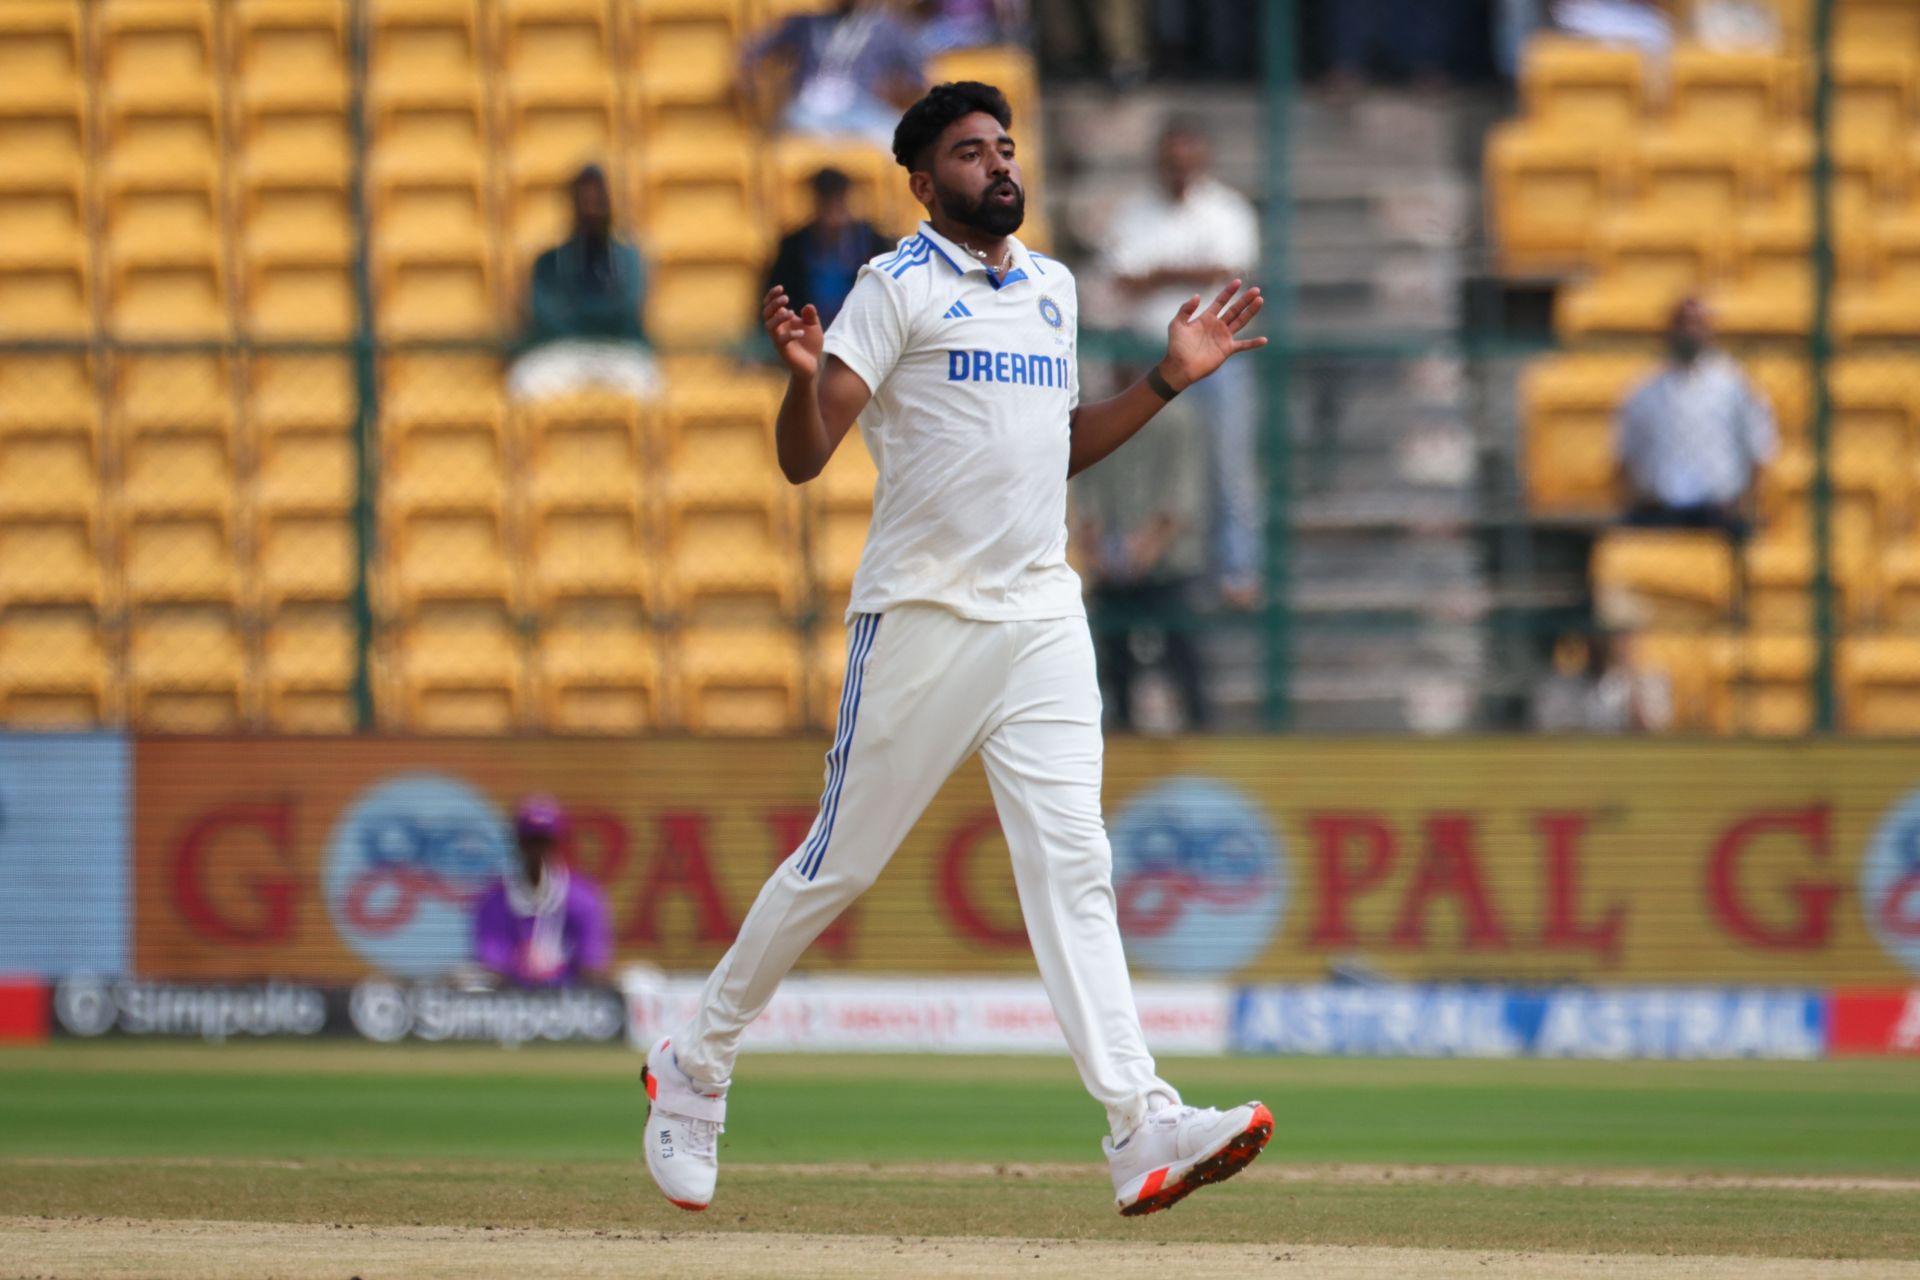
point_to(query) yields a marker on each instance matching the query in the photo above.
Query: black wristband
(1159, 385)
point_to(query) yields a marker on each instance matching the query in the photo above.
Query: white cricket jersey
(973, 380)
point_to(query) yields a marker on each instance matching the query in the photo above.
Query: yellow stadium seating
(186, 669)
(54, 672)
(683, 59)
(1880, 684)
(1731, 93)
(599, 672)
(307, 669)
(1873, 93)
(1782, 379)
(586, 451)
(51, 557)
(1646, 265)
(1568, 407)
(1688, 173)
(1661, 579)
(1779, 582)
(1765, 686)
(1876, 25)
(1900, 571)
(43, 92)
(459, 670)
(438, 554)
(1871, 486)
(1579, 84)
(1692, 662)
(737, 680)
(1887, 306)
(304, 556)
(49, 394)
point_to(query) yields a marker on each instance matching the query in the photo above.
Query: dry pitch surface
(191, 1163)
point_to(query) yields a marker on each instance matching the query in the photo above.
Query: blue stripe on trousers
(865, 629)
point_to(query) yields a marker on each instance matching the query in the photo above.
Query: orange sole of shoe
(1218, 1167)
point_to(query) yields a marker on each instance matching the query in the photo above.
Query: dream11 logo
(1890, 883)
(404, 866)
(1198, 878)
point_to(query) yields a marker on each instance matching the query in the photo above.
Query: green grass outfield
(1798, 1159)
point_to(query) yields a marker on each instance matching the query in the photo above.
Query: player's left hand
(1200, 341)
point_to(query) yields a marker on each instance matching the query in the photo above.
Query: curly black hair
(926, 119)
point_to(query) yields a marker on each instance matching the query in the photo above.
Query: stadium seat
(1659, 579)
(1765, 686)
(186, 669)
(54, 672)
(304, 556)
(1568, 406)
(1880, 684)
(1876, 25)
(590, 551)
(1886, 307)
(704, 296)
(1546, 189)
(841, 502)
(554, 127)
(307, 669)
(160, 86)
(729, 555)
(1779, 581)
(586, 451)
(1692, 663)
(43, 222)
(1873, 93)
(1729, 93)
(51, 557)
(441, 555)
(42, 394)
(720, 434)
(684, 53)
(44, 94)
(292, 392)
(737, 680)
(174, 556)
(1646, 265)
(448, 462)
(426, 95)
(599, 671)
(1691, 174)
(1866, 179)
(1783, 380)
(1900, 575)
(1871, 488)
(298, 250)
(702, 198)
(166, 255)
(306, 469)
(458, 669)
(1582, 85)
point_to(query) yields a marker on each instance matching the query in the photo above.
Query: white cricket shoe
(1177, 1150)
(683, 1130)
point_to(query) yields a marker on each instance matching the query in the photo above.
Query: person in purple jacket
(545, 924)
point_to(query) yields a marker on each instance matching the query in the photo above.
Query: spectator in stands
(964, 24)
(1189, 235)
(1594, 688)
(1691, 440)
(854, 68)
(543, 924)
(585, 301)
(1141, 519)
(817, 264)
(1106, 39)
(1411, 39)
(1641, 23)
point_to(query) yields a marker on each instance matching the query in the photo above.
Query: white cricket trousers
(925, 689)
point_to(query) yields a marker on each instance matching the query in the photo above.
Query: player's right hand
(797, 337)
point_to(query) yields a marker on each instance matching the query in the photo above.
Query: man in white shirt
(1691, 440)
(1193, 233)
(966, 634)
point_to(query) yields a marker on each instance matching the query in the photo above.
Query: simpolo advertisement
(1531, 863)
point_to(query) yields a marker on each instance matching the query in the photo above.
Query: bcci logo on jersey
(404, 866)
(1890, 883)
(1199, 878)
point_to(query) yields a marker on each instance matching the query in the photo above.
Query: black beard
(983, 215)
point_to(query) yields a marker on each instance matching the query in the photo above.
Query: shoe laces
(700, 1136)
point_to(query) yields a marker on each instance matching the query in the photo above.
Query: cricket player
(966, 633)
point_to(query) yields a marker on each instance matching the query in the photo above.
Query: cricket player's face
(976, 179)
